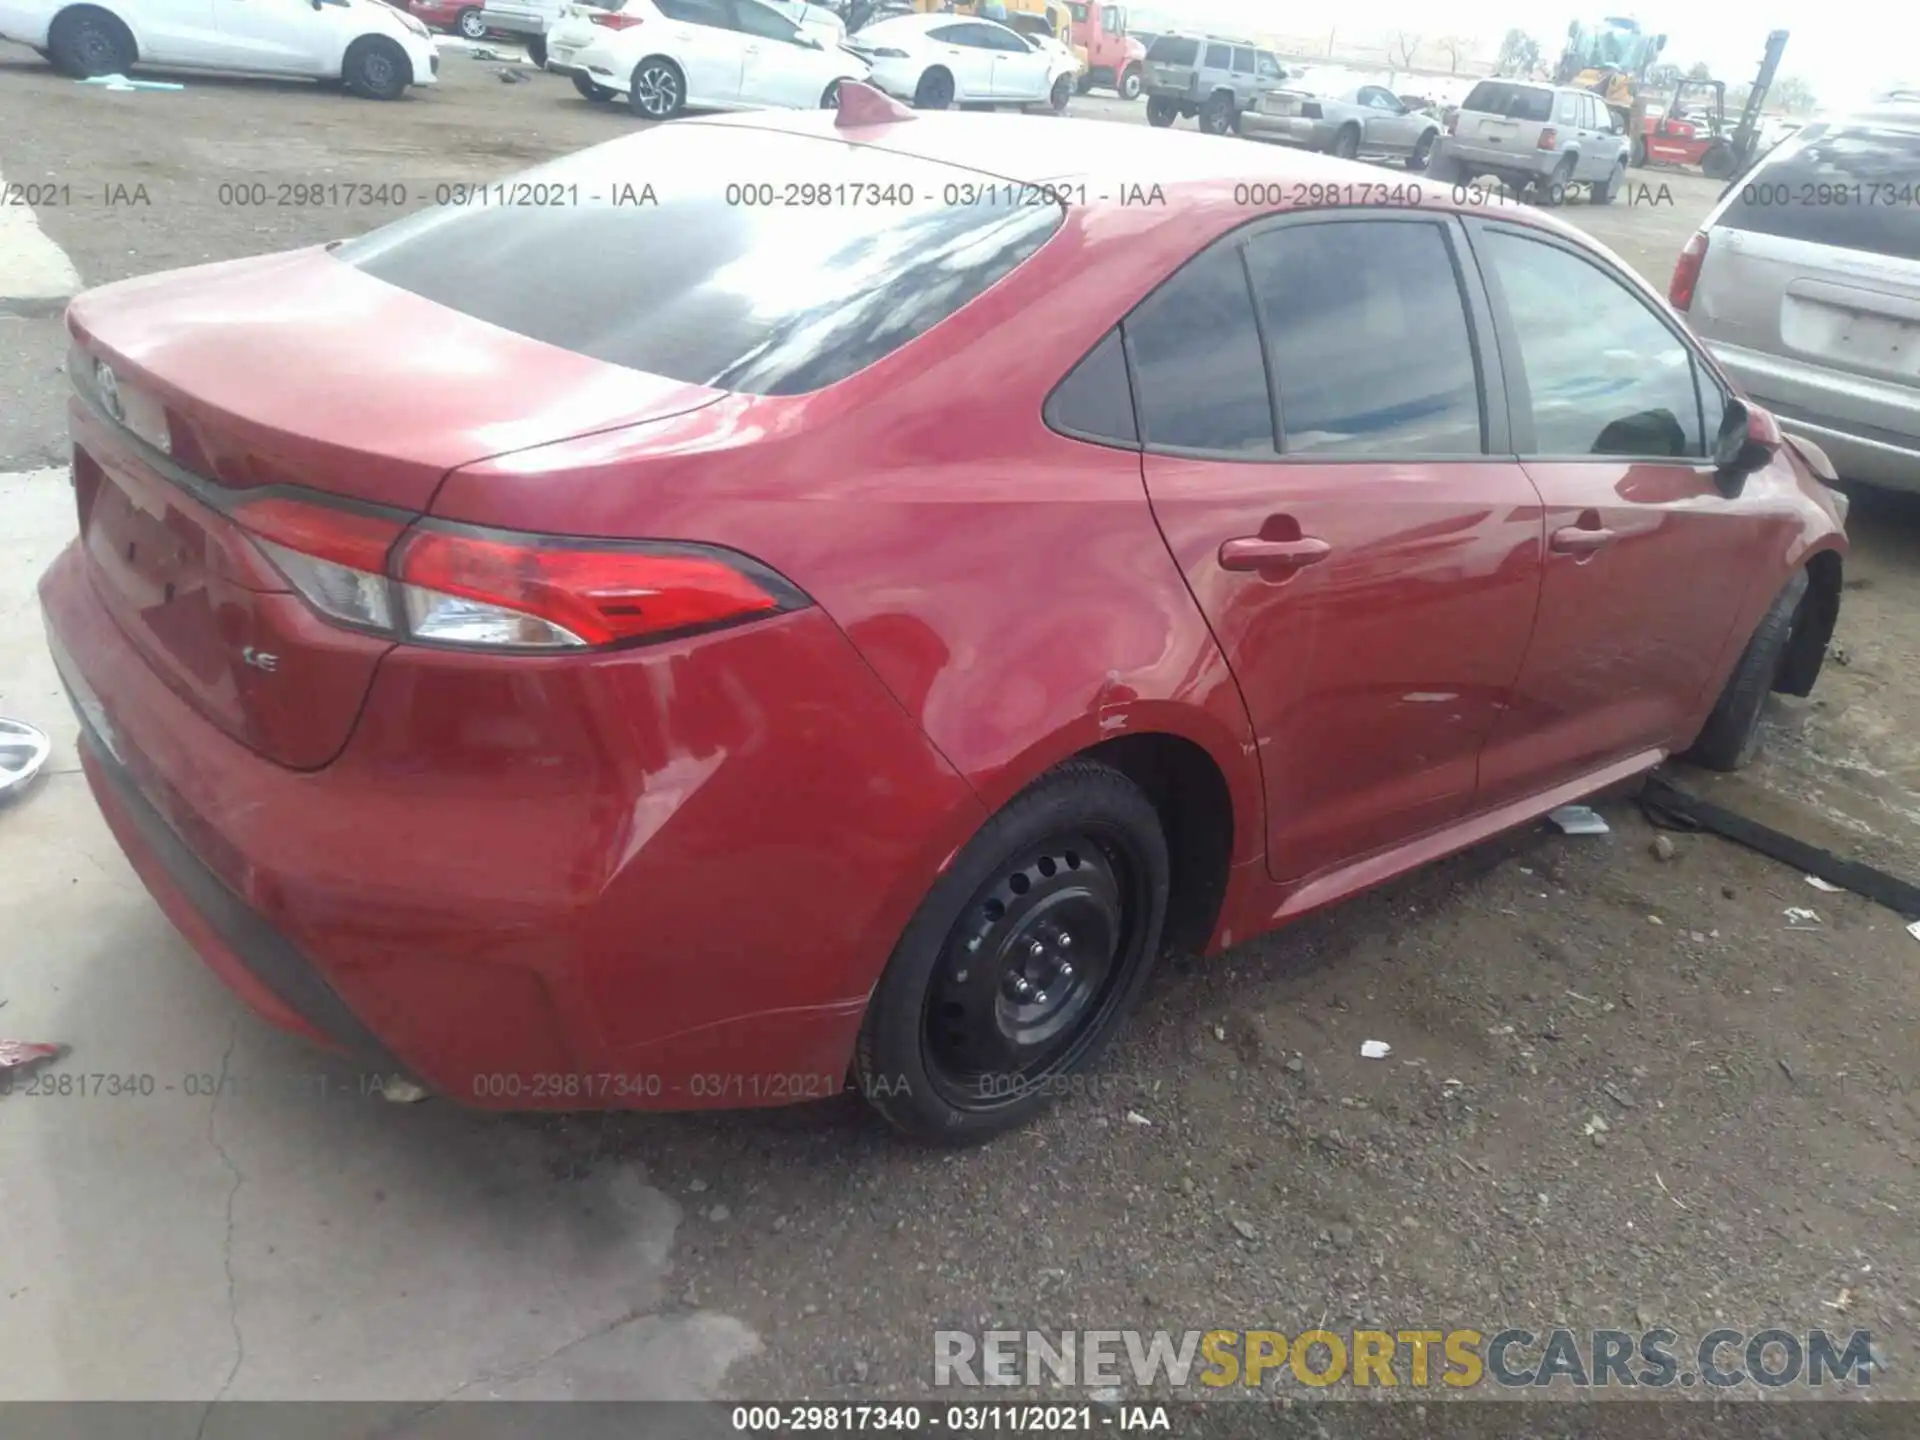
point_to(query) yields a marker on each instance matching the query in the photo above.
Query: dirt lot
(1759, 1084)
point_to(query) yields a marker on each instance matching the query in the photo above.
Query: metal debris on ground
(1579, 820)
(121, 82)
(1374, 1049)
(1914, 929)
(1801, 918)
(1134, 1117)
(512, 77)
(1826, 885)
(23, 750)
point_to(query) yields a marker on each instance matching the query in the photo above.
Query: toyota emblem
(109, 389)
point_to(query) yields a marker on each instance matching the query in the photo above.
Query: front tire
(537, 51)
(85, 42)
(1217, 116)
(1731, 737)
(1717, 163)
(471, 23)
(1422, 155)
(657, 91)
(375, 68)
(1022, 962)
(1603, 191)
(1553, 190)
(1161, 112)
(934, 92)
(1062, 94)
(1130, 83)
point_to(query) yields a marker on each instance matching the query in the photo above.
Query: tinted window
(697, 12)
(1196, 355)
(1857, 188)
(1174, 50)
(1242, 60)
(1219, 57)
(1110, 20)
(1368, 337)
(957, 35)
(1004, 40)
(1606, 376)
(1094, 401)
(758, 20)
(1516, 102)
(767, 300)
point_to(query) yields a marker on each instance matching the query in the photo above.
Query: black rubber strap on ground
(1672, 808)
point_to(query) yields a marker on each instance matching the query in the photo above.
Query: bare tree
(1793, 94)
(1404, 48)
(1330, 37)
(1455, 47)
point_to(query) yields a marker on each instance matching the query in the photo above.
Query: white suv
(1544, 137)
(376, 50)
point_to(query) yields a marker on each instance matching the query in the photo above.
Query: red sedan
(462, 17)
(814, 597)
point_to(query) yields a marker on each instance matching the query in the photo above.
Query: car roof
(898, 23)
(1213, 35)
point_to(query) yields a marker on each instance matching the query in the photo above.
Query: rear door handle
(1250, 552)
(1578, 540)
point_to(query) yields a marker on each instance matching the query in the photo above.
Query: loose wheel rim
(1030, 970)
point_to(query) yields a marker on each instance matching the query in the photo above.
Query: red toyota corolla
(781, 599)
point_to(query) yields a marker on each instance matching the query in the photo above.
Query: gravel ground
(1622, 1091)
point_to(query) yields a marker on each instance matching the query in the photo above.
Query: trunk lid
(224, 384)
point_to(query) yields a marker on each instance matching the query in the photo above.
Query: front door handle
(1251, 552)
(1580, 540)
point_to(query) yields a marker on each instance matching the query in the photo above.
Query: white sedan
(939, 60)
(666, 56)
(375, 49)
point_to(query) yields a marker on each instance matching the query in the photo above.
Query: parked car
(1543, 138)
(666, 56)
(374, 49)
(526, 21)
(938, 60)
(1205, 77)
(1348, 120)
(462, 17)
(1805, 282)
(701, 712)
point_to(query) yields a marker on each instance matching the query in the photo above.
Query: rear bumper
(666, 879)
(1492, 160)
(1289, 129)
(1835, 410)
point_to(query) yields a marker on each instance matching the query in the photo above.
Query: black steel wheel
(1217, 116)
(934, 92)
(1021, 962)
(84, 42)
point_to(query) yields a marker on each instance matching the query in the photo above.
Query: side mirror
(1749, 439)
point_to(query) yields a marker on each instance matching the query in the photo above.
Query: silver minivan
(1805, 282)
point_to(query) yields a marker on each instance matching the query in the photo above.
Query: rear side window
(1856, 188)
(1219, 57)
(1202, 384)
(1242, 61)
(1515, 102)
(668, 254)
(1174, 50)
(1367, 332)
(1095, 402)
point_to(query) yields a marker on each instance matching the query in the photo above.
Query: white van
(376, 50)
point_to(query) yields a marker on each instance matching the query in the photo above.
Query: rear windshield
(716, 255)
(1857, 188)
(1174, 50)
(1516, 102)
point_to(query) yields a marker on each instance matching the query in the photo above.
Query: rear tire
(84, 42)
(1639, 156)
(471, 23)
(1717, 163)
(1731, 737)
(537, 51)
(1022, 961)
(1161, 112)
(1062, 94)
(830, 97)
(1422, 155)
(1553, 190)
(599, 94)
(934, 92)
(657, 91)
(1130, 83)
(1346, 144)
(376, 68)
(1217, 116)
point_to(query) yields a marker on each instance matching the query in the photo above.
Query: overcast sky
(1845, 49)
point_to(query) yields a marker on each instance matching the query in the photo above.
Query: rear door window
(1367, 334)
(1201, 380)
(756, 19)
(1856, 188)
(1174, 50)
(1219, 57)
(666, 259)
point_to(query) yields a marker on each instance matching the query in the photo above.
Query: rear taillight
(1549, 139)
(1686, 272)
(502, 590)
(614, 20)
